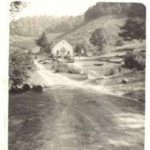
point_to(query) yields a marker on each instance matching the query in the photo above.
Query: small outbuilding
(62, 49)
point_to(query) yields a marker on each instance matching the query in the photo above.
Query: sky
(56, 8)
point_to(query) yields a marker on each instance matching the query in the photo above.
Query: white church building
(62, 49)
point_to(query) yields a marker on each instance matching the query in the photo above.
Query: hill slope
(110, 24)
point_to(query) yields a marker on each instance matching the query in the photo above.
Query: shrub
(15, 90)
(124, 81)
(73, 70)
(110, 72)
(134, 60)
(26, 87)
(60, 67)
(37, 88)
(80, 49)
(19, 67)
(65, 68)
(98, 39)
(119, 42)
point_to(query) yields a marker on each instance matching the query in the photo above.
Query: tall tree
(134, 27)
(80, 49)
(42, 40)
(97, 38)
(137, 10)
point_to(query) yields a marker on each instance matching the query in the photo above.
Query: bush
(134, 60)
(80, 49)
(26, 87)
(15, 90)
(98, 39)
(60, 67)
(119, 42)
(65, 68)
(72, 70)
(110, 72)
(37, 88)
(19, 63)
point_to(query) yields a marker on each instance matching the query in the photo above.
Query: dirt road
(73, 117)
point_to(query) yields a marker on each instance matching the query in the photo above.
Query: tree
(134, 27)
(80, 49)
(97, 38)
(48, 47)
(42, 41)
(134, 60)
(137, 10)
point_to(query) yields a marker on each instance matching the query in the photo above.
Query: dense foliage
(42, 41)
(80, 49)
(97, 38)
(65, 68)
(134, 27)
(20, 63)
(102, 9)
(137, 10)
(134, 60)
(34, 26)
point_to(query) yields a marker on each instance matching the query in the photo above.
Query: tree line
(102, 9)
(34, 26)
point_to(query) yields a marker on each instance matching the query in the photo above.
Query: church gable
(62, 48)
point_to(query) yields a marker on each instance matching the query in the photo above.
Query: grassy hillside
(110, 24)
(81, 34)
(20, 42)
(27, 43)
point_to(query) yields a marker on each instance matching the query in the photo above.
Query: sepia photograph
(76, 75)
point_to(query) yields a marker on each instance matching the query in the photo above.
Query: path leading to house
(73, 116)
(46, 78)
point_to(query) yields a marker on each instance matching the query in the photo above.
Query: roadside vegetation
(61, 67)
(20, 66)
(134, 60)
